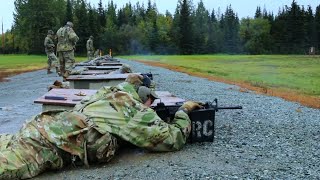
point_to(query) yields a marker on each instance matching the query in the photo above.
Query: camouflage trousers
(27, 154)
(52, 60)
(52, 140)
(67, 60)
(90, 55)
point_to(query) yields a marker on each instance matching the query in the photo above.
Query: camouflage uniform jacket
(49, 44)
(90, 45)
(119, 111)
(91, 132)
(92, 126)
(67, 39)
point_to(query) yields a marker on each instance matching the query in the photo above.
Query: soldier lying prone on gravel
(93, 131)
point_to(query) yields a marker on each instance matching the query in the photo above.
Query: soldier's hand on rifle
(190, 106)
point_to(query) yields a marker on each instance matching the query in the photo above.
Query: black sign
(202, 127)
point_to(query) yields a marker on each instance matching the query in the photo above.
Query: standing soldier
(90, 49)
(49, 48)
(67, 40)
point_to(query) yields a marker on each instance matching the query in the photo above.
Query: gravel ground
(269, 139)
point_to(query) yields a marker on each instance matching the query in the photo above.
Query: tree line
(141, 29)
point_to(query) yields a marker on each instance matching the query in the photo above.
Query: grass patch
(293, 72)
(291, 77)
(15, 64)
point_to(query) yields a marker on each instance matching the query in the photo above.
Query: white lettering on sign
(207, 131)
(202, 129)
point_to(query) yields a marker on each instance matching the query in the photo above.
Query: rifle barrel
(235, 107)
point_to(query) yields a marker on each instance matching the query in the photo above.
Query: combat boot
(58, 71)
(49, 71)
(65, 75)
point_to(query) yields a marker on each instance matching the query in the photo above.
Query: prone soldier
(92, 131)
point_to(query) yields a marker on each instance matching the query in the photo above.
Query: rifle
(202, 120)
(149, 75)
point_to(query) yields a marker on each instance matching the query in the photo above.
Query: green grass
(292, 72)
(21, 63)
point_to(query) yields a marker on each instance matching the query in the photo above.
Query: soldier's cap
(144, 93)
(69, 23)
(50, 32)
(91, 37)
(135, 79)
(125, 68)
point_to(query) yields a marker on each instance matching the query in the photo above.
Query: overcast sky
(243, 8)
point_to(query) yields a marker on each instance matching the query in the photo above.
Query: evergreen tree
(258, 13)
(32, 19)
(185, 27)
(317, 28)
(102, 15)
(81, 25)
(212, 33)
(310, 28)
(174, 33)
(69, 14)
(296, 31)
(231, 32)
(279, 33)
(94, 28)
(201, 29)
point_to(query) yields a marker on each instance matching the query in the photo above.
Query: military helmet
(135, 79)
(125, 68)
(50, 32)
(144, 93)
(70, 24)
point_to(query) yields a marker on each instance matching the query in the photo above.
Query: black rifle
(202, 120)
(149, 75)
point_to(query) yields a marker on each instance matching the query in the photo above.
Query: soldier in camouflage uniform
(90, 49)
(49, 48)
(93, 131)
(96, 53)
(67, 40)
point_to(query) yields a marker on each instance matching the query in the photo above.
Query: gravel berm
(270, 138)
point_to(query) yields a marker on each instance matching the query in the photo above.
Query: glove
(189, 106)
(153, 85)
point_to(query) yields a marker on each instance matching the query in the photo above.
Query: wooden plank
(102, 67)
(98, 77)
(70, 94)
(168, 101)
(95, 72)
(107, 63)
(111, 64)
(71, 97)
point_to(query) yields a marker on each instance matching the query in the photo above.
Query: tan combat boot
(49, 71)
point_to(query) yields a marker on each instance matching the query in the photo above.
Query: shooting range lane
(96, 81)
(102, 67)
(102, 64)
(66, 99)
(95, 72)
(111, 64)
